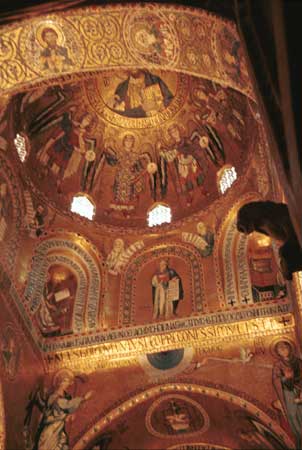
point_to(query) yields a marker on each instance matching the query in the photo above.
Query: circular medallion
(176, 415)
(51, 46)
(137, 99)
(92, 29)
(151, 38)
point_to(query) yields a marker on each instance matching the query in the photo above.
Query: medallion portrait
(52, 47)
(151, 38)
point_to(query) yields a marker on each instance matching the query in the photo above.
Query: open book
(173, 290)
(62, 295)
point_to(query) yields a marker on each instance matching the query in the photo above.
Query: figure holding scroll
(167, 291)
(56, 302)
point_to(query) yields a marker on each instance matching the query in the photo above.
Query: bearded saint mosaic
(56, 305)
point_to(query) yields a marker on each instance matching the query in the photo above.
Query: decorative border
(223, 262)
(97, 32)
(96, 355)
(80, 299)
(12, 242)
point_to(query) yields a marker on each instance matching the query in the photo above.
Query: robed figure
(287, 381)
(55, 406)
(167, 291)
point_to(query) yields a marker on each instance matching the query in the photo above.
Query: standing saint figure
(133, 171)
(167, 291)
(287, 381)
(184, 163)
(55, 406)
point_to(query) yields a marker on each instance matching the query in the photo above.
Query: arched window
(226, 177)
(159, 214)
(83, 206)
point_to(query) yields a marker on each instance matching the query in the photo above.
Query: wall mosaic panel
(88, 274)
(154, 271)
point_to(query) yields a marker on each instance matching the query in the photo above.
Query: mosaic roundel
(51, 46)
(151, 38)
(137, 99)
(176, 415)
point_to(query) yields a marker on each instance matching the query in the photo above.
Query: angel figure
(184, 162)
(64, 151)
(114, 257)
(55, 406)
(119, 255)
(132, 172)
(203, 241)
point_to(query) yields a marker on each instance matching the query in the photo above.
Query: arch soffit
(134, 400)
(228, 231)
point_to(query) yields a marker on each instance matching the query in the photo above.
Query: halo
(166, 134)
(135, 137)
(274, 343)
(202, 225)
(61, 375)
(52, 26)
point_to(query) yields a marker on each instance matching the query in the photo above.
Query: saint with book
(167, 291)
